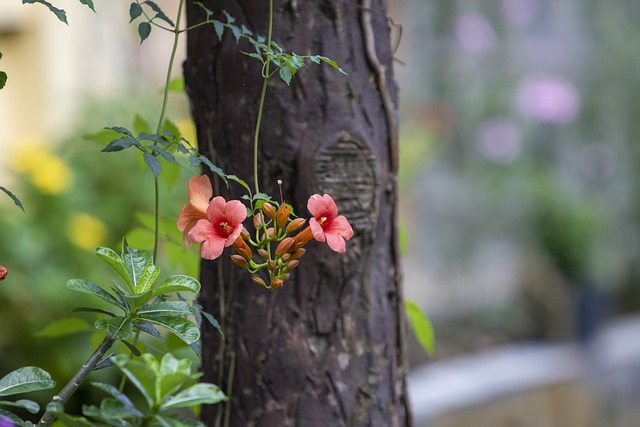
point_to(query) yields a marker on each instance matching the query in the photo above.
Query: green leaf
(149, 329)
(87, 287)
(164, 153)
(183, 328)
(119, 327)
(285, 74)
(136, 262)
(88, 3)
(152, 162)
(23, 380)
(198, 394)
(60, 14)
(144, 29)
(13, 197)
(134, 11)
(64, 327)
(332, 63)
(176, 84)
(66, 419)
(92, 310)
(212, 320)
(121, 397)
(167, 308)
(172, 128)
(230, 19)
(421, 327)
(149, 275)
(3, 79)
(121, 130)
(140, 125)
(141, 375)
(177, 283)
(121, 144)
(117, 264)
(29, 405)
(104, 136)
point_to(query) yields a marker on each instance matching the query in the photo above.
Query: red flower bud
(3, 272)
(284, 246)
(269, 210)
(295, 225)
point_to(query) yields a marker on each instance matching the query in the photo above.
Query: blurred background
(519, 217)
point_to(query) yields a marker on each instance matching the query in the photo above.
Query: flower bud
(269, 210)
(3, 272)
(257, 220)
(298, 254)
(286, 277)
(295, 225)
(245, 234)
(271, 265)
(263, 253)
(258, 281)
(242, 248)
(282, 215)
(291, 265)
(284, 246)
(286, 257)
(270, 233)
(277, 283)
(239, 261)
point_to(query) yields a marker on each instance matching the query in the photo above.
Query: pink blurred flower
(474, 33)
(499, 140)
(326, 224)
(3, 272)
(200, 192)
(548, 98)
(221, 227)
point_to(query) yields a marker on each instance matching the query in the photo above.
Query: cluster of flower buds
(217, 224)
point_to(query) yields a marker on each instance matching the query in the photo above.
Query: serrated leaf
(206, 10)
(3, 79)
(153, 163)
(219, 28)
(177, 283)
(88, 3)
(15, 199)
(63, 327)
(144, 29)
(198, 394)
(117, 264)
(87, 287)
(119, 327)
(26, 379)
(253, 55)
(120, 130)
(134, 11)
(121, 144)
(60, 14)
(159, 13)
(230, 19)
(172, 128)
(215, 169)
(237, 33)
(183, 328)
(421, 327)
(239, 181)
(164, 153)
(333, 64)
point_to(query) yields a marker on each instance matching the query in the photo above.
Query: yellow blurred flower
(32, 155)
(188, 131)
(86, 231)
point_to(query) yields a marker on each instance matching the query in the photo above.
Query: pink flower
(221, 227)
(3, 272)
(200, 192)
(326, 224)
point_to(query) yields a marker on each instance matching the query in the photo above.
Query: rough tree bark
(328, 348)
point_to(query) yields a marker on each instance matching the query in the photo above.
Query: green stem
(75, 382)
(163, 111)
(265, 81)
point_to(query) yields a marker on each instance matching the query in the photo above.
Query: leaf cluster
(59, 13)
(166, 385)
(140, 303)
(23, 380)
(152, 14)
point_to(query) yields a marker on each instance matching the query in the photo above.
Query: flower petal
(200, 192)
(212, 248)
(340, 225)
(215, 211)
(234, 236)
(201, 231)
(188, 216)
(336, 242)
(316, 229)
(235, 212)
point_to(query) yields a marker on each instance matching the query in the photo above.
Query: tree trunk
(328, 348)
